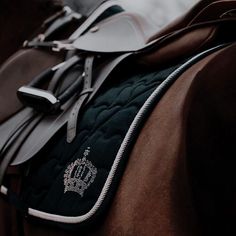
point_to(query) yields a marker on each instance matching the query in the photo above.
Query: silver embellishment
(79, 175)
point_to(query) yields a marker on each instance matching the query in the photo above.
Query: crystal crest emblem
(79, 175)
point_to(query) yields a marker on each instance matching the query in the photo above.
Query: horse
(167, 187)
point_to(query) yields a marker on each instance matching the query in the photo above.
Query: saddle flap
(18, 71)
(124, 32)
(50, 125)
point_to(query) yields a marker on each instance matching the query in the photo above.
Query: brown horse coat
(166, 189)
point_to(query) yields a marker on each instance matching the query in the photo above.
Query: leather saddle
(67, 78)
(77, 67)
(91, 40)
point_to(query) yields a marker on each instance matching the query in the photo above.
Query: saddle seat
(124, 32)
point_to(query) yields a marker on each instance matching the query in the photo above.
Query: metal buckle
(40, 38)
(67, 10)
(59, 46)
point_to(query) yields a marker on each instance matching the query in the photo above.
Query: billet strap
(56, 22)
(87, 89)
(62, 22)
(60, 72)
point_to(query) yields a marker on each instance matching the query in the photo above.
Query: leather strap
(13, 146)
(61, 71)
(62, 22)
(87, 89)
(96, 14)
(53, 24)
(50, 125)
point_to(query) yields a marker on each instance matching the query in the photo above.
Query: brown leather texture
(137, 30)
(192, 32)
(180, 47)
(18, 71)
